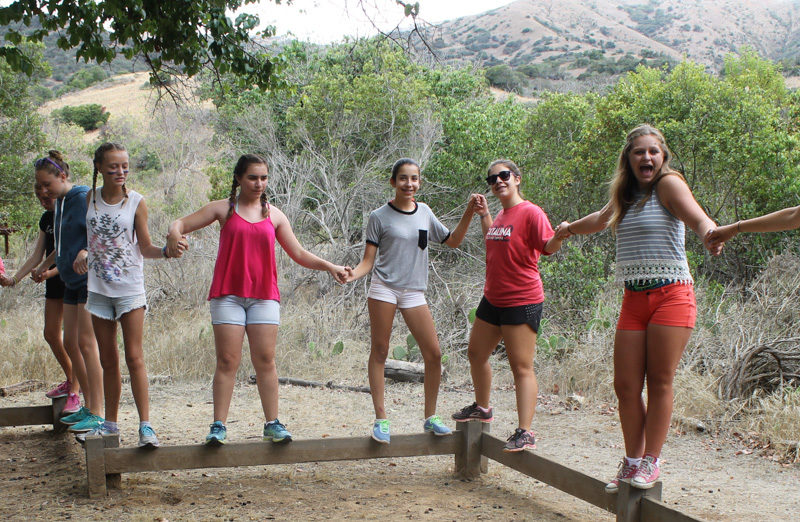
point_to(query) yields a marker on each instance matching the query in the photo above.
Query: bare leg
(420, 322)
(520, 342)
(132, 331)
(263, 339)
(91, 358)
(73, 349)
(381, 317)
(629, 368)
(106, 333)
(228, 340)
(53, 317)
(483, 340)
(665, 346)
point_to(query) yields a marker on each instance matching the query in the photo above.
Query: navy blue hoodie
(69, 226)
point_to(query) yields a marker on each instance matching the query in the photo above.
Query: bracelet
(568, 230)
(738, 226)
(164, 252)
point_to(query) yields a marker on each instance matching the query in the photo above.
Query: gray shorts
(232, 309)
(112, 308)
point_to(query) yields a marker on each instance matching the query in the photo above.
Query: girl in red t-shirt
(511, 307)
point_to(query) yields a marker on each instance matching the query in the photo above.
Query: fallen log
(20, 387)
(404, 371)
(315, 384)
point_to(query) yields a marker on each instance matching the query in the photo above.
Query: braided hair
(245, 160)
(99, 156)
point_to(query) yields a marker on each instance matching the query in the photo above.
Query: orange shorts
(670, 305)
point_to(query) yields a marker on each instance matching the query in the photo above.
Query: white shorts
(232, 309)
(380, 291)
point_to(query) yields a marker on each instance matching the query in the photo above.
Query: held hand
(36, 274)
(479, 203)
(339, 273)
(81, 265)
(712, 240)
(6, 281)
(721, 234)
(47, 274)
(562, 231)
(176, 245)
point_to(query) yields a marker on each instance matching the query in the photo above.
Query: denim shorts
(75, 296)
(403, 298)
(232, 309)
(112, 308)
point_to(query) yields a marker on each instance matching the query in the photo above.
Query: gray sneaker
(147, 437)
(520, 440)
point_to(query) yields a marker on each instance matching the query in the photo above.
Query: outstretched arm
(146, 246)
(457, 236)
(29, 264)
(301, 256)
(677, 197)
(214, 211)
(366, 264)
(594, 222)
(786, 219)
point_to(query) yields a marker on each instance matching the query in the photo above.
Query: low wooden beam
(552, 473)
(629, 501)
(128, 460)
(26, 416)
(654, 510)
(470, 463)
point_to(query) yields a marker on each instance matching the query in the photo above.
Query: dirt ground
(44, 475)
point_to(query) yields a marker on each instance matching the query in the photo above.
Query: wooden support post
(629, 501)
(113, 480)
(58, 405)
(470, 463)
(95, 465)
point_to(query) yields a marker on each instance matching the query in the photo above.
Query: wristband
(568, 230)
(164, 252)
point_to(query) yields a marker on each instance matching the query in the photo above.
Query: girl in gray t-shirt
(397, 248)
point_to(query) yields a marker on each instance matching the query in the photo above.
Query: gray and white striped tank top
(651, 244)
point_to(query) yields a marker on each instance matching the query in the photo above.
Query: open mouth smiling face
(646, 159)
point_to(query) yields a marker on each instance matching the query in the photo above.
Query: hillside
(561, 39)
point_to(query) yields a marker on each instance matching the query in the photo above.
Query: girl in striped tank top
(650, 204)
(244, 296)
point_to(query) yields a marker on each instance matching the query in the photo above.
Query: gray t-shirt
(402, 241)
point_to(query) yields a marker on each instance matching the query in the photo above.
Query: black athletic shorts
(76, 296)
(530, 314)
(54, 288)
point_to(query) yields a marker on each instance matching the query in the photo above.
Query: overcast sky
(324, 21)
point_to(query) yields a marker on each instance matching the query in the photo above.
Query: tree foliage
(90, 116)
(189, 35)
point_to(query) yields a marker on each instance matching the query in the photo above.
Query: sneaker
(647, 474)
(472, 412)
(435, 425)
(62, 390)
(217, 435)
(76, 417)
(72, 405)
(276, 432)
(100, 430)
(91, 422)
(520, 440)
(147, 437)
(380, 431)
(625, 473)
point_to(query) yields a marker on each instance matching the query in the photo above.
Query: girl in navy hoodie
(69, 224)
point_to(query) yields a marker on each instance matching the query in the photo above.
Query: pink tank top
(246, 260)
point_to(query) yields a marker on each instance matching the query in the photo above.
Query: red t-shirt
(514, 243)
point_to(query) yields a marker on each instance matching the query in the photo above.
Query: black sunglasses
(491, 179)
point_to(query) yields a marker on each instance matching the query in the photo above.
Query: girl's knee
(52, 336)
(627, 387)
(379, 353)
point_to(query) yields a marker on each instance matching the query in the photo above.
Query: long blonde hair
(622, 192)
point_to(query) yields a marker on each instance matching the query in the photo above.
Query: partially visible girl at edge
(513, 298)
(648, 207)
(69, 226)
(119, 240)
(53, 302)
(398, 233)
(244, 296)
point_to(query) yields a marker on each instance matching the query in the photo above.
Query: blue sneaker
(380, 431)
(91, 422)
(100, 430)
(435, 425)
(147, 437)
(75, 418)
(217, 435)
(276, 432)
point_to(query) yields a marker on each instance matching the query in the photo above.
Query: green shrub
(90, 116)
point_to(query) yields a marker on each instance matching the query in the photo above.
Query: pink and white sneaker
(62, 390)
(73, 403)
(647, 474)
(625, 472)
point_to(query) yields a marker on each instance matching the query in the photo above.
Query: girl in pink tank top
(244, 295)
